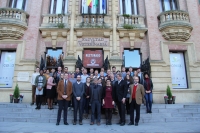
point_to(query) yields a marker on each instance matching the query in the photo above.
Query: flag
(103, 4)
(89, 3)
(95, 3)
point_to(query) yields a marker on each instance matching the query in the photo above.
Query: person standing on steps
(121, 90)
(64, 90)
(40, 83)
(78, 92)
(108, 101)
(137, 94)
(34, 75)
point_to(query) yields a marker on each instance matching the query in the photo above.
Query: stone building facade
(157, 28)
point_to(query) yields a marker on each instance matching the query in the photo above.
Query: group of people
(106, 91)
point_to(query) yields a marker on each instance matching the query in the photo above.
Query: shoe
(37, 108)
(80, 123)
(119, 122)
(109, 123)
(32, 104)
(65, 123)
(57, 123)
(136, 124)
(51, 108)
(74, 123)
(98, 124)
(122, 124)
(91, 123)
(150, 111)
(131, 123)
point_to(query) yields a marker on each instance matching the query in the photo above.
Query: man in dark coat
(120, 91)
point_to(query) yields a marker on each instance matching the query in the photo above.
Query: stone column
(114, 42)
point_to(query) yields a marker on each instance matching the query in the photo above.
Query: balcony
(175, 25)
(131, 25)
(13, 23)
(54, 26)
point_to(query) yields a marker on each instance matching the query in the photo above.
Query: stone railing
(174, 16)
(175, 25)
(55, 21)
(92, 21)
(12, 15)
(133, 20)
(13, 23)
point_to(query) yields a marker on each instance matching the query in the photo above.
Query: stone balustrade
(55, 21)
(133, 20)
(175, 25)
(13, 23)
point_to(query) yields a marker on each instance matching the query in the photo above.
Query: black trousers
(108, 114)
(62, 104)
(134, 106)
(38, 100)
(121, 109)
(78, 105)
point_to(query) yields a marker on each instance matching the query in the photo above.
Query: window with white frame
(94, 6)
(58, 7)
(129, 7)
(19, 4)
(166, 5)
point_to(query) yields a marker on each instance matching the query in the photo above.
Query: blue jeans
(149, 98)
(96, 105)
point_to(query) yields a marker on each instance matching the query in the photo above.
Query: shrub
(169, 93)
(16, 92)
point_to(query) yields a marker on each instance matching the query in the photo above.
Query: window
(95, 7)
(53, 58)
(20, 4)
(129, 7)
(166, 5)
(132, 58)
(58, 7)
(178, 71)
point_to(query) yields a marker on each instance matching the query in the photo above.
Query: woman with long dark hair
(51, 90)
(129, 80)
(148, 86)
(87, 96)
(108, 101)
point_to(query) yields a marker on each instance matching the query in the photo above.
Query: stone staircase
(24, 112)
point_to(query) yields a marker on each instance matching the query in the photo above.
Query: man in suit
(64, 90)
(120, 91)
(137, 94)
(78, 92)
(95, 100)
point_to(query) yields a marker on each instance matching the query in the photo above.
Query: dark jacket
(120, 90)
(104, 92)
(145, 85)
(86, 87)
(99, 89)
(78, 89)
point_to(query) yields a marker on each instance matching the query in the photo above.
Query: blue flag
(103, 4)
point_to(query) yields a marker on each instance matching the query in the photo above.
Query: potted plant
(169, 94)
(166, 98)
(16, 94)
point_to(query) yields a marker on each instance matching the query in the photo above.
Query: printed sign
(178, 72)
(93, 58)
(7, 66)
(23, 76)
(93, 42)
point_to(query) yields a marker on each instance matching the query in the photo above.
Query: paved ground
(170, 127)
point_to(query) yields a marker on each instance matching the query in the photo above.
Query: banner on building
(7, 66)
(178, 72)
(93, 58)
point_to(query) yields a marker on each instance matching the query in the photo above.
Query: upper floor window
(58, 7)
(20, 4)
(129, 7)
(94, 6)
(167, 5)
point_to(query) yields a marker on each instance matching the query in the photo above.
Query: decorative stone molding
(175, 25)
(13, 23)
(96, 32)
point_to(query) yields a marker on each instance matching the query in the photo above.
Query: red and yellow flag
(89, 3)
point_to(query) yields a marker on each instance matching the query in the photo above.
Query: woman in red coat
(108, 101)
